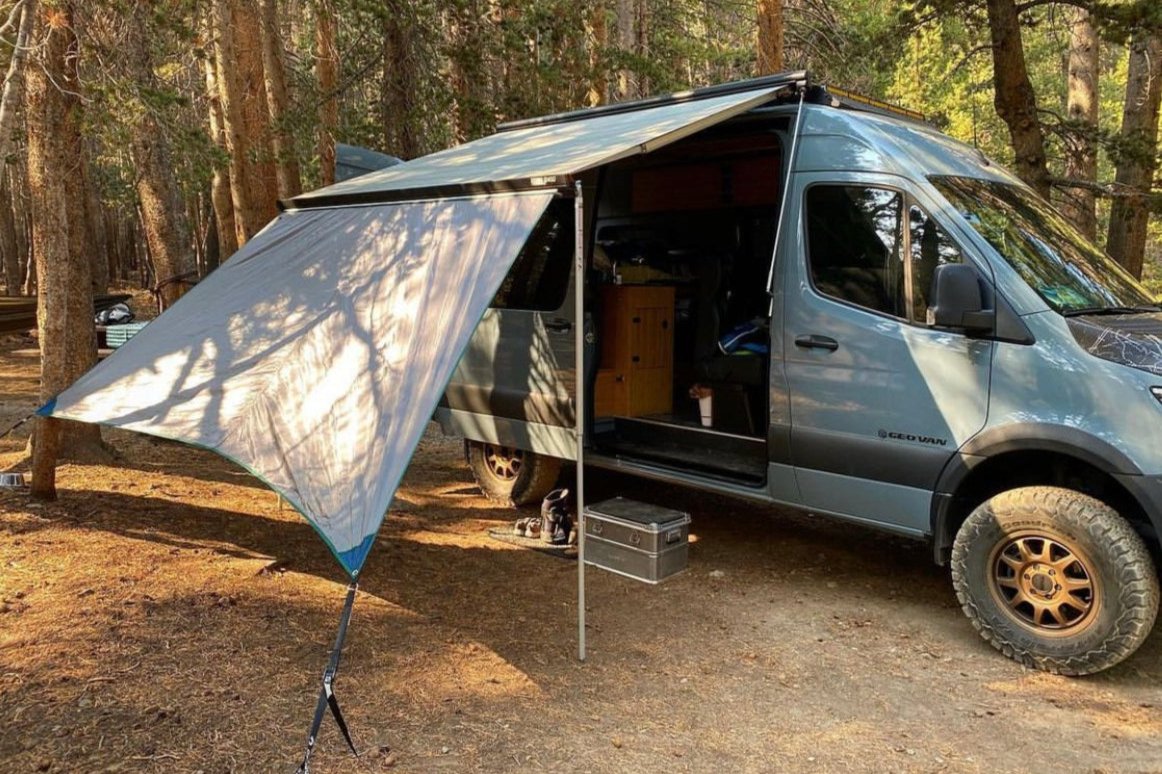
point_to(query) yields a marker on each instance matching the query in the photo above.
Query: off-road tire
(1125, 582)
(534, 477)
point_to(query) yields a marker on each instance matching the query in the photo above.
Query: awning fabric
(316, 355)
(537, 153)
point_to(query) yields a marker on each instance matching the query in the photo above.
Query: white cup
(706, 407)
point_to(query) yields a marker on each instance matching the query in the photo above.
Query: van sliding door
(515, 382)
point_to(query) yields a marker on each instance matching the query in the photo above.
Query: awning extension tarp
(544, 154)
(316, 355)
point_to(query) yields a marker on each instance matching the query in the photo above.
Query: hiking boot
(553, 507)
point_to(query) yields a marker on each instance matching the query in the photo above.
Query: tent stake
(326, 692)
(579, 410)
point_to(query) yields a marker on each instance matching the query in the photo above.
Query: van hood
(1130, 339)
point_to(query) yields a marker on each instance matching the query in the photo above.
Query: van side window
(855, 245)
(930, 247)
(539, 277)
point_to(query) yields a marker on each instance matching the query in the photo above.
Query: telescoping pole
(579, 399)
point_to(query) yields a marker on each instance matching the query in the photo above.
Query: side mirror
(957, 301)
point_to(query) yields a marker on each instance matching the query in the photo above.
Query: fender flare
(1020, 437)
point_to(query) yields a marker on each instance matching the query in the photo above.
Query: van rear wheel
(1055, 579)
(511, 476)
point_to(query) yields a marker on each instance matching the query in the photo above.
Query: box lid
(652, 518)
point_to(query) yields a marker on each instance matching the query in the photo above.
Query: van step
(680, 448)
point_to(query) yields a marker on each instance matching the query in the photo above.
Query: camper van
(824, 303)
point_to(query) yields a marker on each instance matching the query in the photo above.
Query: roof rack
(849, 100)
(794, 78)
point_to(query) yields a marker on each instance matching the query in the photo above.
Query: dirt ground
(167, 615)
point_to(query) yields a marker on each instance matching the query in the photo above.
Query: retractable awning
(542, 152)
(315, 356)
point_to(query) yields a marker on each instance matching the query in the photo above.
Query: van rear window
(539, 278)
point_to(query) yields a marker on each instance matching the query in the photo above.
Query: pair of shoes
(530, 527)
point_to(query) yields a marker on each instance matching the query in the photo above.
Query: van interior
(682, 245)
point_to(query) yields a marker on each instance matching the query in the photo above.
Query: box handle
(598, 527)
(673, 536)
(635, 538)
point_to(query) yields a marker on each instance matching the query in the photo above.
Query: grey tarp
(315, 356)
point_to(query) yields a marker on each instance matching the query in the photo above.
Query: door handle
(814, 341)
(558, 325)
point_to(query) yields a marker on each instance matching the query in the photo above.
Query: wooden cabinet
(636, 377)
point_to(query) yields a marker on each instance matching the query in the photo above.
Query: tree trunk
(626, 37)
(327, 75)
(65, 300)
(1015, 100)
(1079, 204)
(246, 120)
(398, 97)
(220, 187)
(95, 228)
(599, 80)
(163, 212)
(770, 45)
(1138, 148)
(642, 43)
(8, 244)
(10, 96)
(282, 141)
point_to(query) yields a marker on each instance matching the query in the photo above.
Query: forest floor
(167, 615)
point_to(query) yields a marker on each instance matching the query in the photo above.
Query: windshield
(1067, 271)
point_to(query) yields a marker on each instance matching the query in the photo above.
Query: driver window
(855, 245)
(930, 247)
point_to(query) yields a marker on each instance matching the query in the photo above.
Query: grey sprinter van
(825, 303)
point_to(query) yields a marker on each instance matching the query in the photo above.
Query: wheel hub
(1044, 583)
(503, 462)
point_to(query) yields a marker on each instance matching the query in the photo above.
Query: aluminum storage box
(640, 541)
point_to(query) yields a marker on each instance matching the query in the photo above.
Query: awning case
(315, 356)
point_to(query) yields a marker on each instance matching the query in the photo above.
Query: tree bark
(220, 195)
(65, 300)
(770, 43)
(95, 228)
(1079, 204)
(398, 97)
(599, 83)
(282, 141)
(626, 38)
(163, 212)
(246, 120)
(8, 244)
(10, 96)
(1138, 149)
(327, 76)
(1016, 103)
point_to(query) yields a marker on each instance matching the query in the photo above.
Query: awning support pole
(327, 693)
(579, 410)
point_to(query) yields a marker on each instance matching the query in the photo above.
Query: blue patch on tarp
(353, 558)
(47, 409)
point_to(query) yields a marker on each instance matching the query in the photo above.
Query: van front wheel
(1055, 579)
(511, 476)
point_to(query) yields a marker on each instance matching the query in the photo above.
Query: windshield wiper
(1109, 310)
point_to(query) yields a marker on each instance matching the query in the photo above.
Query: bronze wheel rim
(502, 462)
(1045, 583)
